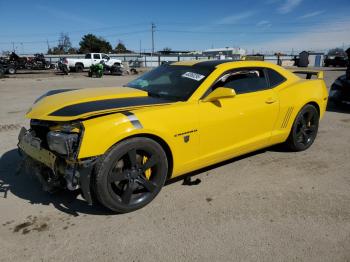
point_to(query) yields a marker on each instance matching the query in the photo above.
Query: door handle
(270, 100)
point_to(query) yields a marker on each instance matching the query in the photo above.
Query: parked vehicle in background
(79, 64)
(17, 61)
(2, 71)
(340, 91)
(37, 62)
(96, 70)
(120, 69)
(335, 61)
(7, 66)
(62, 66)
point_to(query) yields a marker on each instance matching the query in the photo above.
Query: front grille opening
(41, 128)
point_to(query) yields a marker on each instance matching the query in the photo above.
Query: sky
(259, 26)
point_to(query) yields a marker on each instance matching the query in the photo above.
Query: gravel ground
(267, 206)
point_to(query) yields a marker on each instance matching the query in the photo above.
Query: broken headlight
(62, 143)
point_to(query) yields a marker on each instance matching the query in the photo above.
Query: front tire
(304, 129)
(130, 174)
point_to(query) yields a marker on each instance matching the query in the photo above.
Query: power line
(99, 29)
(248, 32)
(313, 23)
(56, 41)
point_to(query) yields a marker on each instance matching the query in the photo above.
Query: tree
(336, 52)
(121, 49)
(72, 50)
(166, 50)
(93, 44)
(64, 43)
(64, 46)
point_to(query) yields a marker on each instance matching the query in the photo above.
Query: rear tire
(79, 68)
(11, 70)
(130, 174)
(304, 129)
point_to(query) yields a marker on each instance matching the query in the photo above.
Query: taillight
(65, 61)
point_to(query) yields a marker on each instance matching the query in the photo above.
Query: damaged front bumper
(54, 170)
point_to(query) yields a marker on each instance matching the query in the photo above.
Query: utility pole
(140, 47)
(152, 30)
(48, 45)
(153, 27)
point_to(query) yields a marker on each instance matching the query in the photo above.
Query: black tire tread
(290, 143)
(104, 161)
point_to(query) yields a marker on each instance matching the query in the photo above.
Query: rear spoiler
(309, 74)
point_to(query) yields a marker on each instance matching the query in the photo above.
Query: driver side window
(244, 80)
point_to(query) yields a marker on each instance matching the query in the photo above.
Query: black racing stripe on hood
(53, 92)
(212, 64)
(88, 107)
(57, 91)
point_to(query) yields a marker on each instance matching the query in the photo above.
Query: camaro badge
(186, 139)
(186, 135)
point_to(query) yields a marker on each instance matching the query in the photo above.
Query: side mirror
(219, 93)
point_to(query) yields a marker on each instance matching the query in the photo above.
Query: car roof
(213, 64)
(210, 64)
(227, 64)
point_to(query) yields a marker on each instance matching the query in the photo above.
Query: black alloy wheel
(304, 129)
(131, 174)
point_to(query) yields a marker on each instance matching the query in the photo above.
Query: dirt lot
(268, 206)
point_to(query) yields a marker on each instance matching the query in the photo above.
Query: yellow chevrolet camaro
(119, 145)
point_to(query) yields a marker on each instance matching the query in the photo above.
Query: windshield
(171, 81)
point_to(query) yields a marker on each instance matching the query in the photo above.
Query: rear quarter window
(275, 78)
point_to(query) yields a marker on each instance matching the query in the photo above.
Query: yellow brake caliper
(148, 171)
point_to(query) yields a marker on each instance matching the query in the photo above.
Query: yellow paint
(43, 108)
(225, 127)
(148, 171)
(220, 93)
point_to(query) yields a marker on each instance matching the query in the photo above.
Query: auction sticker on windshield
(194, 76)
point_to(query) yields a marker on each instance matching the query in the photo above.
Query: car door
(232, 126)
(106, 59)
(96, 58)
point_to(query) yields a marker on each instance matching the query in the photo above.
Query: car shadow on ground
(277, 148)
(27, 187)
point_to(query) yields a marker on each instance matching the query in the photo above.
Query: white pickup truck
(78, 64)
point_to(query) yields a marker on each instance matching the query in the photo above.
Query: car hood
(68, 104)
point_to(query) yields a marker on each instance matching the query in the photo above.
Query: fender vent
(287, 117)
